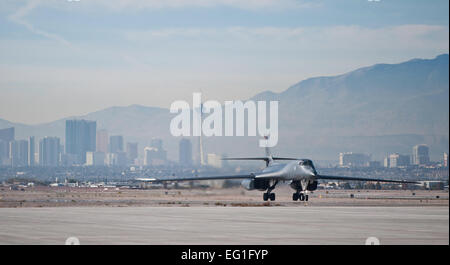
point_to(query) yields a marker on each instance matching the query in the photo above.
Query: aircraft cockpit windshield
(305, 163)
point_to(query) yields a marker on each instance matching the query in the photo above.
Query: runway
(225, 225)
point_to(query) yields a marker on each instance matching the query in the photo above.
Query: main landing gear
(299, 196)
(268, 195)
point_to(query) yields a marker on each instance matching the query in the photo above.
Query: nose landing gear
(300, 196)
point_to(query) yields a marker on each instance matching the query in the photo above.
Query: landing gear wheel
(306, 197)
(301, 197)
(265, 196)
(295, 196)
(272, 196)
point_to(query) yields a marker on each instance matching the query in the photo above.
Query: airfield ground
(234, 197)
(221, 216)
(224, 225)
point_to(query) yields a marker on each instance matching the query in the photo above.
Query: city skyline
(51, 153)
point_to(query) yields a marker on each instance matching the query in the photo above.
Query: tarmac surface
(225, 225)
(234, 197)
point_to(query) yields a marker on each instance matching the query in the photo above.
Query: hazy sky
(61, 58)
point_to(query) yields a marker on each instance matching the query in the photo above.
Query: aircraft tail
(268, 158)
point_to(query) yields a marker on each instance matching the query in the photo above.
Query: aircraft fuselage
(294, 170)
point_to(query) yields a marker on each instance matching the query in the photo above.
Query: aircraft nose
(309, 170)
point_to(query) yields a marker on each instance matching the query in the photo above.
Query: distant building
(398, 160)
(386, 162)
(214, 160)
(155, 153)
(353, 160)
(68, 160)
(7, 134)
(31, 151)
(153, 156)
(185, 152)
(116, 144)
(116, 159)
(49, 152)
(121, 159)
(445, 160)
(95, 158)
(4, 153)
(102, 141)
(132, 152)
(80, 138)
(110, 159)
(420, 155)
(18, 151)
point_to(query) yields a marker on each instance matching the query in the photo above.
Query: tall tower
(102, 141)
(18, 150)
(80, 138)
(49, 152)
(132, 152)
(116, 144)
(6, 136)
(420, 154)
(200, 142)
(31, 151)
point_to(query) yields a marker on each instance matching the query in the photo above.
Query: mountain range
(379, 109)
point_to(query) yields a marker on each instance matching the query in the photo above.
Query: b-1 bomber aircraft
(300, 173)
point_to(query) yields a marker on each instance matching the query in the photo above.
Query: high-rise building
(116, 159)
(121, 159)
(185, 152)
(102, 141)
(158, 151)
(80, 138)
(7, 134)
(353, 160)
(445, 160)
(386, 161)
(31, 151)
(49, 152)
(132, 152)
(4, 153)
(398, 160)
(154, 156)
(420, 155)
(18, 151)
(95, 158)
(116, 144)
(149, 153)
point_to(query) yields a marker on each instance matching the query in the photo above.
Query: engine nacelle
(297, 185)
(256, 184)
(312, 185)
